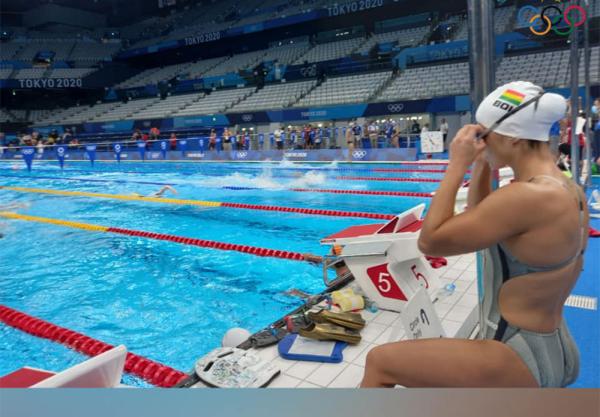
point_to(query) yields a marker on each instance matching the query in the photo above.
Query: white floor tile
(301, 370)
(468, 276)
(284, 381)
(352, 351)
(459, 313)
(451, 327)
(372, 331)
(453, 273)
(385, 336)
(386, 317)
(305, 384)
(442, 309)
(268, 353)
(368, 316)
(326, 373)
(468, 299)
(360, 359)
(349, 378)
(283, 364)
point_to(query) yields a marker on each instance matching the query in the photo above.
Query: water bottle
(446, 291)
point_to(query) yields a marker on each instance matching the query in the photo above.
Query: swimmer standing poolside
(533, 233)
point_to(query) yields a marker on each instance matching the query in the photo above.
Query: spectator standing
(173, 141)
(212, 140)
(444, 129)
(278, 138)
(226, 140)
(373, 133)
(350, 137)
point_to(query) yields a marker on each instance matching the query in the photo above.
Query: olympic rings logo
(60, 151)
(27, 151)
(395, 108)
(543, 21)
(117, 148)
(242, 155)
(247, 117)
(359, 154)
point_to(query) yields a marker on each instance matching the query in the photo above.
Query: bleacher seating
(5, 116)
(70, 72)
(31, 48)
(431, 81)
(286, 54)
(90, 113)
(30, 73)
(127, 110)
(5, 73)
(216, 102)
(548, 69)
(236, 63)
(60, 115)
(349, 89)
(331, 50)
(275, 96)
(404, 37)
(8, 50)
(93, 52)
(154, 75)
(503, 21)
(168, 106)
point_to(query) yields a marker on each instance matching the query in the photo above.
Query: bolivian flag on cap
(512, 97)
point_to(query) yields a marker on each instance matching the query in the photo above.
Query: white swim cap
(532, 122)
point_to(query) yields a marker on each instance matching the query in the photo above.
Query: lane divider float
(363, 192)
(394, 179)
(211, 244)
(214, 204)
(156, 373)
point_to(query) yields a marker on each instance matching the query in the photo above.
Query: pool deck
(458, 311)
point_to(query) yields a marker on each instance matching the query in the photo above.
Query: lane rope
(332, 191)
(154, 372)
(394, 179)
(87, 180)
(252, 250)
(215, 204)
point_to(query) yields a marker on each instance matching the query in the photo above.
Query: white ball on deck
(234, 337)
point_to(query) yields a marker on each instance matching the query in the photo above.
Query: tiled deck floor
(457, 311)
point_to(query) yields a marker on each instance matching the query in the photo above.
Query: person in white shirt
(425, 128)
(278, 139)
(444, 130)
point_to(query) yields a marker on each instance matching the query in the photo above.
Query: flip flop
(352, 321)
(326, 331)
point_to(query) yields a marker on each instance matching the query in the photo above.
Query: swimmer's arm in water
(489, 222)
(163, 190)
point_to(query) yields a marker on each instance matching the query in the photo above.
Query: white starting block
(385, 259)
(101, 371)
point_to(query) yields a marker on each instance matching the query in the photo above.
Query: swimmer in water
(158, 194)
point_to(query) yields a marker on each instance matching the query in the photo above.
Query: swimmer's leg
(446, 363)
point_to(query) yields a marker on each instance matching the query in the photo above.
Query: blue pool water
(171, 303)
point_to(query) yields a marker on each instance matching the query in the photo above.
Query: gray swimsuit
(552, 358)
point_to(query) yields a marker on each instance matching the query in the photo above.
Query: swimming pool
(169, 302)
